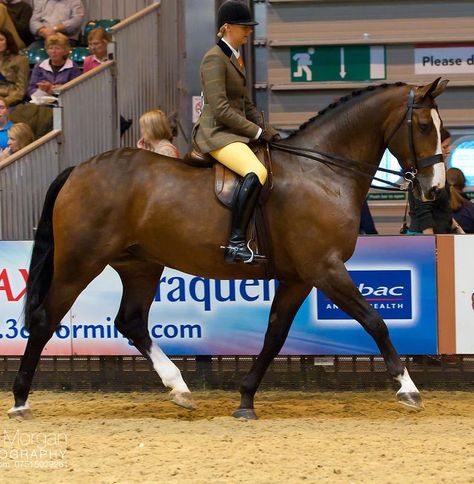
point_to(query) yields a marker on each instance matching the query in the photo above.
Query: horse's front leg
(287, 301)
(339, 287)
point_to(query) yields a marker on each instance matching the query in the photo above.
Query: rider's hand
(268, 136)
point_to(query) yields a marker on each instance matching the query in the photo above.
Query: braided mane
(343, 100)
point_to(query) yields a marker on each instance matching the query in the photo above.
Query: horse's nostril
(435, 191)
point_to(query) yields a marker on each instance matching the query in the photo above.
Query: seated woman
(19, 136)
(57, 69)
(97, 41)
(14, 70)
(156, 134)
(462, 208)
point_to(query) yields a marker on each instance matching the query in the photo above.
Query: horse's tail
(41, 269)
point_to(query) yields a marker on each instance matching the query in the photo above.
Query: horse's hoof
(23, 413)
(245, 413)
(183, 399)
(411, 399)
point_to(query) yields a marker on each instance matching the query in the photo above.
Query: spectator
(5, 124)
(462, 208)
(434, 217)
(19, 136)
(97, 40)
(156, 134)
(20, 13)
(7, 24)
(14, 70)
(57, 69)
(53, 16)
(367, 225)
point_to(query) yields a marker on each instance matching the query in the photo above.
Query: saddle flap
(226, 184)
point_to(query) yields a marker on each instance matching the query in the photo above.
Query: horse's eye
(424, 127)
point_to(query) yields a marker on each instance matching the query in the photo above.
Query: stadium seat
(78, 54)
(36, 55)
(106, 24)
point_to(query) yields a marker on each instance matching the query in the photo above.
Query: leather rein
(357, 166)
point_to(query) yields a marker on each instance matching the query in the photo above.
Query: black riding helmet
(234, 12)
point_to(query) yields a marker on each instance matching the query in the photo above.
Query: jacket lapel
(228, 53)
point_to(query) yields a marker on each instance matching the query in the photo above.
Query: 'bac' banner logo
(388, 292)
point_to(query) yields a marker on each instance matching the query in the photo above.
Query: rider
(229, 121)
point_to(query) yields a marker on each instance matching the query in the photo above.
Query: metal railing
(149, 55)
(113, 8)
(24, 180)
(136, 54)
(88, 115)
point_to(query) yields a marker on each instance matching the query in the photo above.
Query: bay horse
(139, 212)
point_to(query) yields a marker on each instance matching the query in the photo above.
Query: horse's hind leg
(139, 281)
(339, 287)
(45, 319)
(287, 301)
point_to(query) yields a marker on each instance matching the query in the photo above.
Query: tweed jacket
(15, 71)
(227, 115)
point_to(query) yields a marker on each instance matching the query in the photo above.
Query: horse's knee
(131, 325)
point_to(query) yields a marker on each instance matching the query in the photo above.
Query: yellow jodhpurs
(240, 158)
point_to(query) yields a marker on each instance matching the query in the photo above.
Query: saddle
(226, 181)
(226, 187)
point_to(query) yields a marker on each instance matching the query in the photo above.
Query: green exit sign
(338, 63)
(386, 196)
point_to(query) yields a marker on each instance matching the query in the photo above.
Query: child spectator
(57, 69)
(156, 134)
(53, 16)
(97, 41)
(20, 13)
(14, 70)
(19, 136)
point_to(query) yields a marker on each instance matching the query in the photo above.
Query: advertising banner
(14, 263)
(464, 293)
(196, 316)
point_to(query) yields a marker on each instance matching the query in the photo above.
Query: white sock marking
(20, 408)
(167, 370)
(407, 385)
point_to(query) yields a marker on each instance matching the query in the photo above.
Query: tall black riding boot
(237, 250)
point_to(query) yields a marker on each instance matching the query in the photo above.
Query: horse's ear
(440, 88)
(434, 89)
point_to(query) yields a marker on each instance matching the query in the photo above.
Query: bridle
(416, 164)
(408, 175)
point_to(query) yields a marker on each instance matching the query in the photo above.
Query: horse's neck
(354, 130)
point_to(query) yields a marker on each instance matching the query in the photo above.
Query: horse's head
(416, 139)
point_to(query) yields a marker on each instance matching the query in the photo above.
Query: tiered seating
(106, 24)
